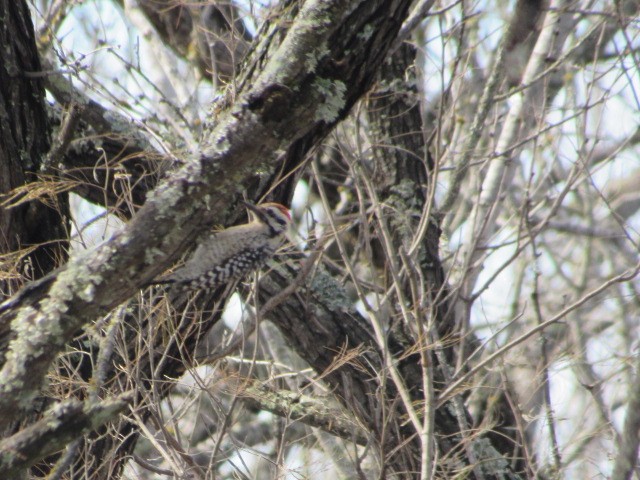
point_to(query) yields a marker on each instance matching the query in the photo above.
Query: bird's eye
(275, 214)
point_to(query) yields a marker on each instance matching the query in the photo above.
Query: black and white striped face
(274, 215)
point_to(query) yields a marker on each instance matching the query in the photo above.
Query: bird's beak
(251, 207)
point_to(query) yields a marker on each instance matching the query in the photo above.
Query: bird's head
(276, 216)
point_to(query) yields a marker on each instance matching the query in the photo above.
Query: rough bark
(24, 144)
(54, 431)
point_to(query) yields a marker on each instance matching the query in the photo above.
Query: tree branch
(65, 422)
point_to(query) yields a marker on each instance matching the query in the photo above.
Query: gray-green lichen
(38, 329)
(405, 207)
(152, 255)
(491, 461)
(331, 293)
(405, 189)
(332, 93)
(366, 33)
(313, 57)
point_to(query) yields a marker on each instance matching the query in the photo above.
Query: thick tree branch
(65, 422)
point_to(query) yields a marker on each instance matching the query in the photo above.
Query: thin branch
(459, 381)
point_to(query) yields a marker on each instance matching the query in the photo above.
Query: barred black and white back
(229, 254)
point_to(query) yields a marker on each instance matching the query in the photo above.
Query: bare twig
(460, 380)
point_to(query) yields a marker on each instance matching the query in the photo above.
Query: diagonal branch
(63, 423)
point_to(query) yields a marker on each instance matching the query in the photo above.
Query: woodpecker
(227, 255)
